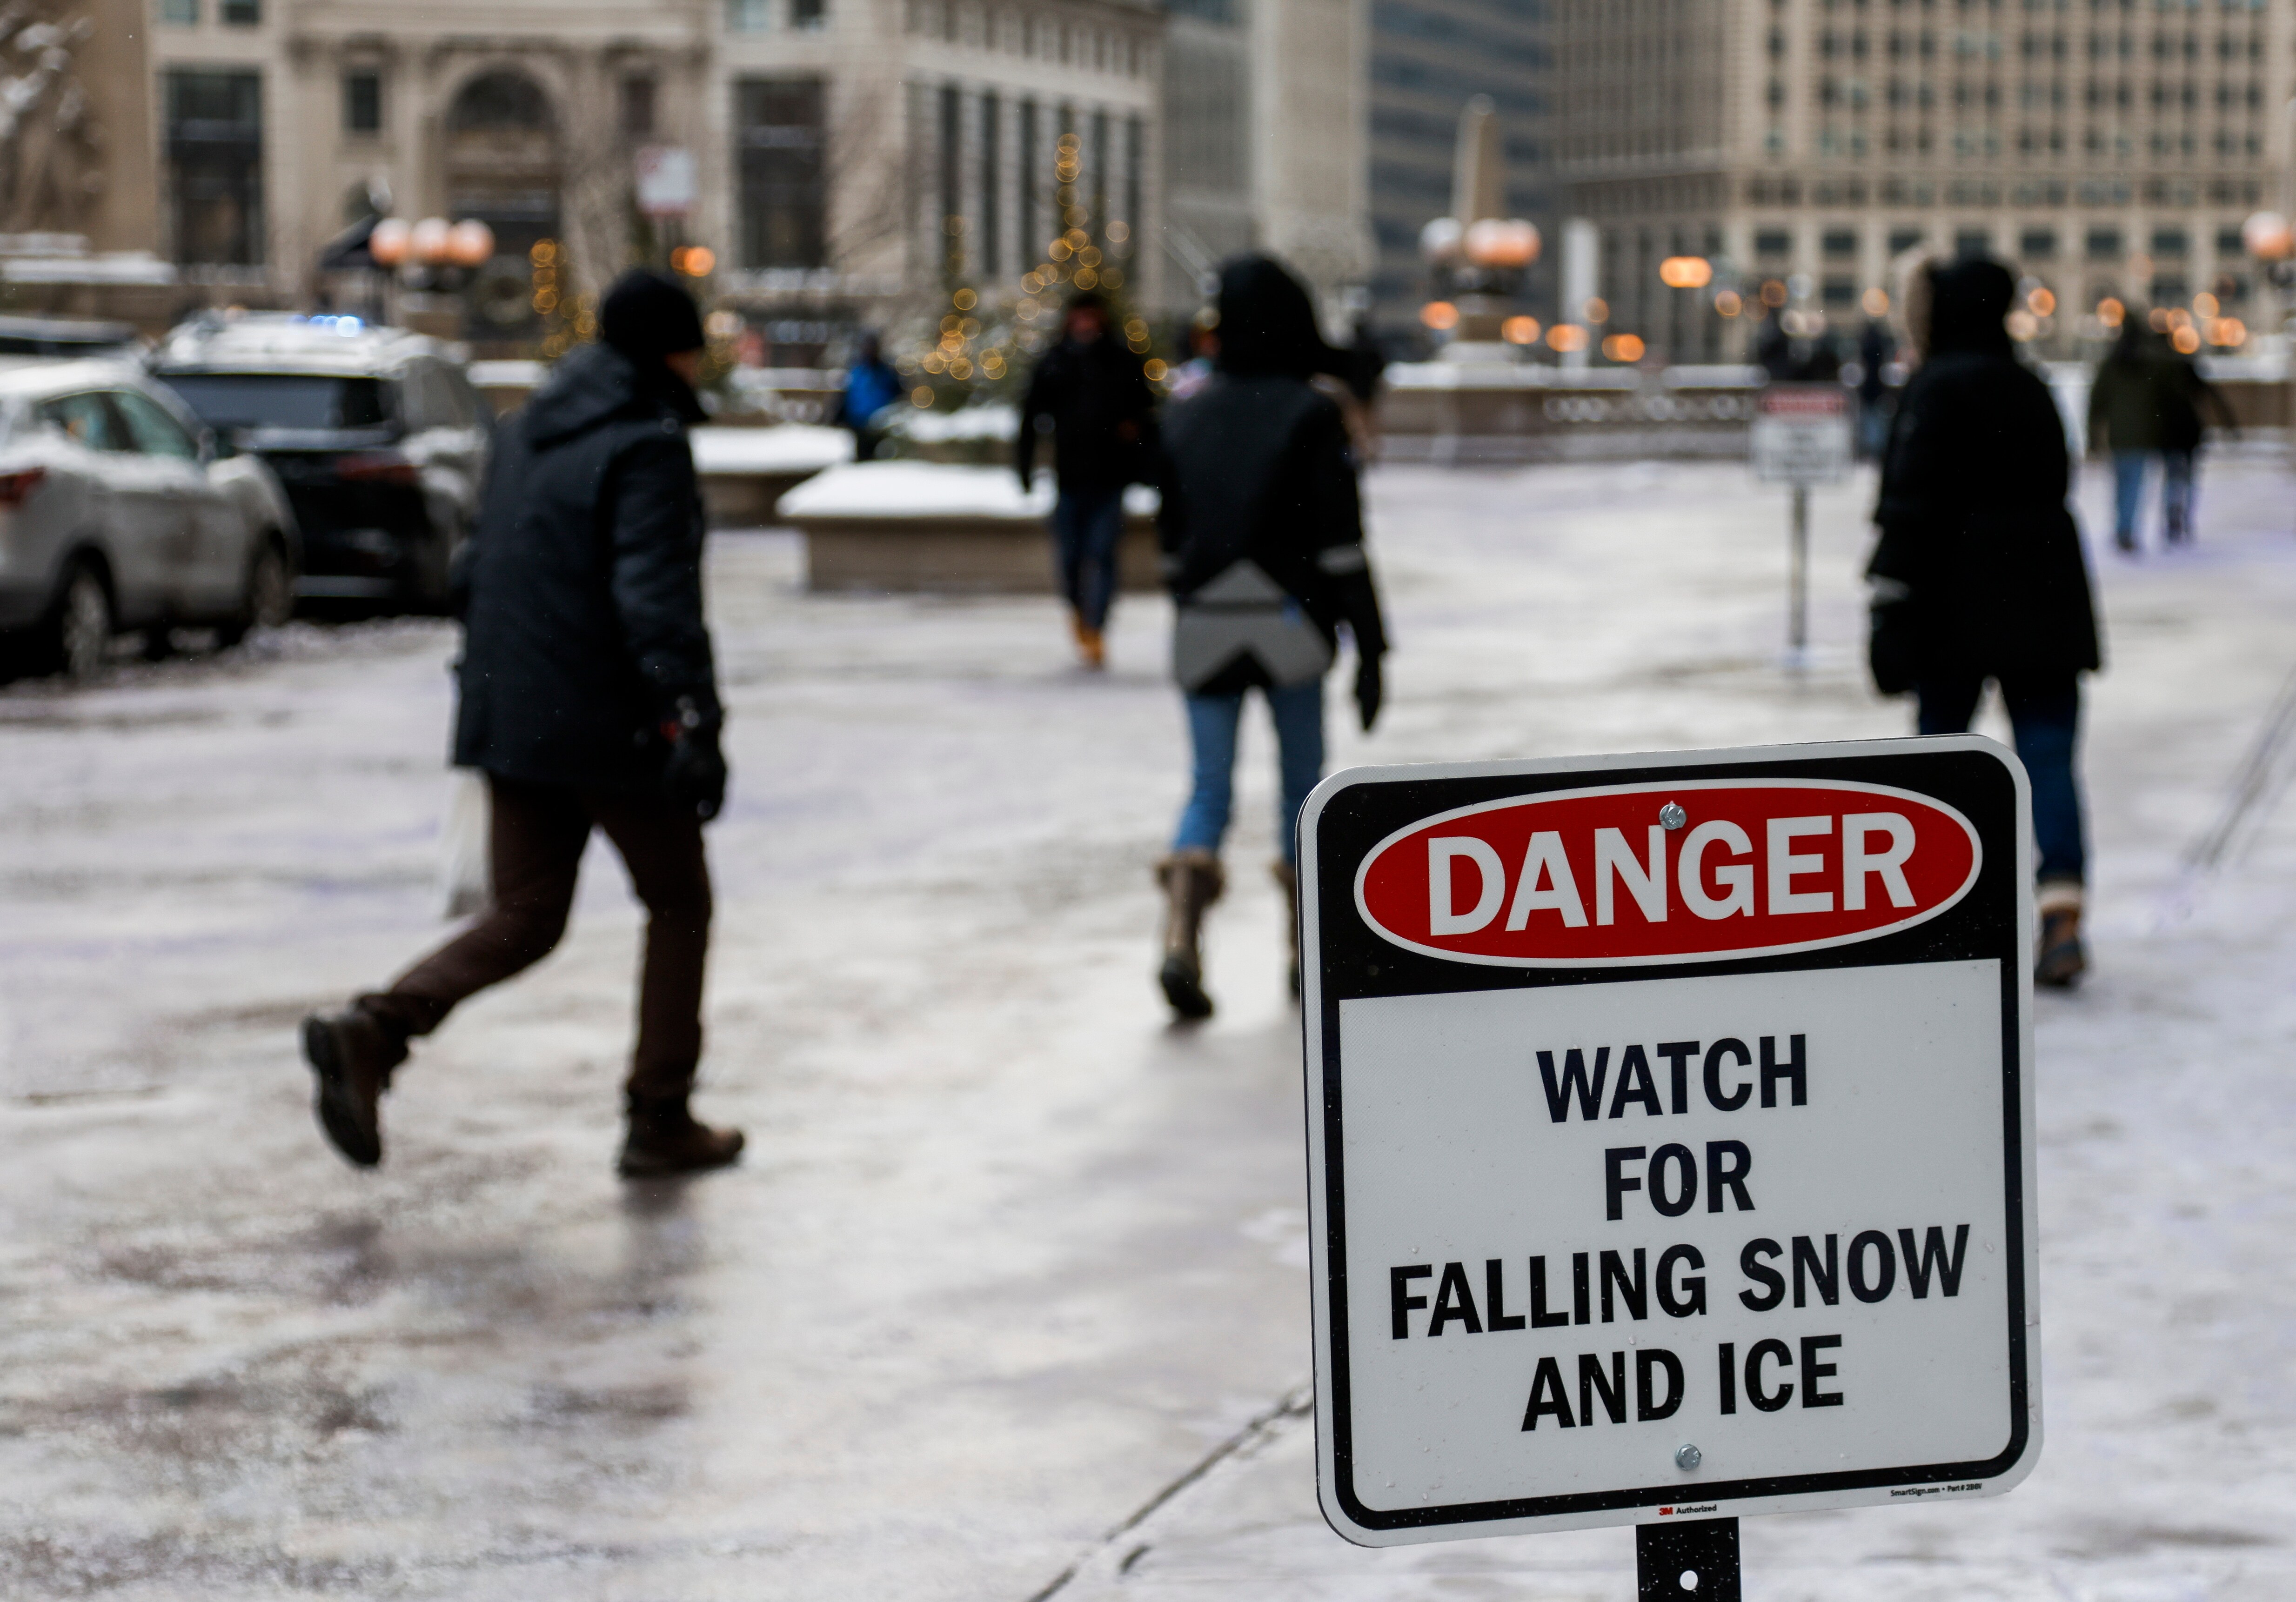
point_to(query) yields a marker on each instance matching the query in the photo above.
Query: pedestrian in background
(1093, 394)
(589, 700)
(1979, 572)
(1262, 534)
(871, 385)
(2145, 401)
(1876, 349)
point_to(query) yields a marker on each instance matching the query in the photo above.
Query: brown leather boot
(351, 1054)
(665, 1138)
(2059, 958)
(1288, 876)
(1191, 881)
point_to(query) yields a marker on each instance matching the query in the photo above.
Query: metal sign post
(1801, 436)
(1669, 1142)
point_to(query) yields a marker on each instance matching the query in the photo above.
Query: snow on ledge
(785, 448)
(927, 489)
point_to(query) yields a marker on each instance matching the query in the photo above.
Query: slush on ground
(1008, 1297)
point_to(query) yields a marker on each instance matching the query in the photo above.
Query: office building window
(363, 102)
(1032, 236)
(1902, 240)
(1135, 156)
(2104, 244)
(778, 154)
(952, 179)
(215, 154)
(2037, 244)
(637, 106)
(992, 185)
(1773, 242)
(180, 13)
(1839, 243)
(240, 13)
(805, 14)
(1973, 242)
(745, 16)
(2169, 241)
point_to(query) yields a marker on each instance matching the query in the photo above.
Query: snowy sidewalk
(1010, 1260)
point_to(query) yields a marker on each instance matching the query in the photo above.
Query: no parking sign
(1670, 1136)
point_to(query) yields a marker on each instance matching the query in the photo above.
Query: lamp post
(431, 255)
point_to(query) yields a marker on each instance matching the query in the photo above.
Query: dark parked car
(375, 433)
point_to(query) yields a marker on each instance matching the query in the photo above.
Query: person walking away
(2184, 395)
(871, 385)
(1093, 394)
(589, 700)
(1978, 575)
(1262, 535)
(1875, 351)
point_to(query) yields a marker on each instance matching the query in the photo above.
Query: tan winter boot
(2060, 959)
(1191, 881)
(1287, 876)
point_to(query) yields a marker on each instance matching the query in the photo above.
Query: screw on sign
(1668, 1148)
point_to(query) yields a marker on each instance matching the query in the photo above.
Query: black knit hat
(647, 316)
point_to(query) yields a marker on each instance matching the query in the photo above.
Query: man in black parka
(1979, 572)
(589, 700)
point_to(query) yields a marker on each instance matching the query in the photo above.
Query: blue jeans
(2128, 469)
(1212, 723)
(2128, 494)
(2045, 717)
(1086, 525)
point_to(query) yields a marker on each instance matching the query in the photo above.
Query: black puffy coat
(583, 623)
(1979, 568)
(1257, 465)
(1102, 414)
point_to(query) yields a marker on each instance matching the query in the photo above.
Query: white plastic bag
(465, 853)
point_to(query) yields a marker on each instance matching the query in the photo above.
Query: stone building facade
(2109, 148)
(849, 157)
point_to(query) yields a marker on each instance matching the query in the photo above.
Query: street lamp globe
(2267, 237)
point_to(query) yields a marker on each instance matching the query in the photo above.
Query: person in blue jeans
(2146, 400)
(1093, 392)
(1979, 572)
(1261, 528)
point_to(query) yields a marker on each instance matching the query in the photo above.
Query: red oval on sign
(1648, 873)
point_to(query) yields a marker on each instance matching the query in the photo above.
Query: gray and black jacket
(1262, 535)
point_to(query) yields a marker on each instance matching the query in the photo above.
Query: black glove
(695, 774)
(1368, 690)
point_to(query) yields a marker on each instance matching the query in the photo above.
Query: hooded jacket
(2148, 397)
(1258, 468)
(583, 624)
(1979, 570)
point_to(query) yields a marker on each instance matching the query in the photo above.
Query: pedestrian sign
(1668, 1133)
(1801, 434)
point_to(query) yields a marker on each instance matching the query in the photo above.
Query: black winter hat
(647, 316)
(1968, 300)
(1268, 324)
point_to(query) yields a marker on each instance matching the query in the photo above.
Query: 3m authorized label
(1669, 1135)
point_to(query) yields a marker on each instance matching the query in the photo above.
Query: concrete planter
(922, 527)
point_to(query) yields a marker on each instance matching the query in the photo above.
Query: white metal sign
(1668, 1136)
(1801, 434)
(669, 183)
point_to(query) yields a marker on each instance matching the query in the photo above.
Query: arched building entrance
(502, 167)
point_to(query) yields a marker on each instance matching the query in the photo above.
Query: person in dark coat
(1263, 543)
(2145, 401)
(1979, 572)
(589, 700)
(1093, 394)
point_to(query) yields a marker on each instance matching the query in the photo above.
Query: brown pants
(539, 835)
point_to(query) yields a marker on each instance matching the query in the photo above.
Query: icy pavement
(1010, 1261)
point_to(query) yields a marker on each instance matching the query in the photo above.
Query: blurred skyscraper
(2110, 150)
(1428, 58)
(1266, 119)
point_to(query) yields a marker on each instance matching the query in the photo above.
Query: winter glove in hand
(695, 774)
(1368, 690)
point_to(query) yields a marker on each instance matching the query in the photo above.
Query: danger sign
(1801, 434)
(1669, 1150)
